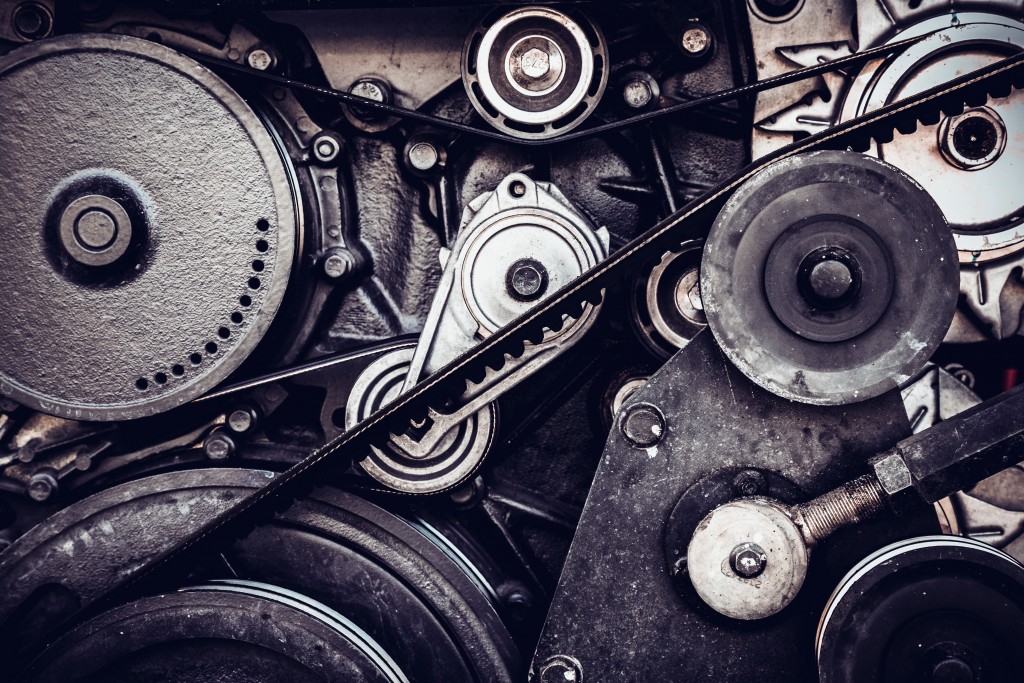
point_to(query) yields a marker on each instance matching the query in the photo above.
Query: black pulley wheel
(943, 609)
(149, 236)
(829, 277)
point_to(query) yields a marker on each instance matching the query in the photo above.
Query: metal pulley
(829, 278)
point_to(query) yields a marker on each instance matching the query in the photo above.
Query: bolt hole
(236, 318)
(160, 378)
(141, 384)
(245, 300)
(211, 348)
(195, 359)
(258, 265)
(177, 369)
(223, 333)
(517, 188)
(254, 283)
(262, 246)
(263, 225)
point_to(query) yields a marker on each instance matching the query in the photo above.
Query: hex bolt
(748, 560)
(526, 280)
(42, 486)
(697, 40)
(423, 156)
(219, 446)
(637, 94)
(370, 89)
(242, 419)
(560, 669)
(32, 21)
(260, 59)
(336, 263)
(644, 425)
(326, 148)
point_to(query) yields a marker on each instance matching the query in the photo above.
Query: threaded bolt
(853, 502)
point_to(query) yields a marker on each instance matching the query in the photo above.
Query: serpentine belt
(449, 382)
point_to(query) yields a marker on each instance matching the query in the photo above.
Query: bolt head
(326, 149)
(367, 89)
(41, 487)
(32, 21)
(423, 156)
(643, 426)
(831, 279)
(526, 280)
(241, 420)
(219, 446)
(749, 483)
(561, 669)
(259, 59)
(337, 263)
(748, 560)
(637, 94)
(696, 41)
(535, 63)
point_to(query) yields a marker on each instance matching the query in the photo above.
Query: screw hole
(517, 188)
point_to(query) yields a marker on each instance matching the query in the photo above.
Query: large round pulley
(829, 278)
(455, 457)
(370, 596)
(936, 608)
(535, 72)
(226, 631)
(148, 228)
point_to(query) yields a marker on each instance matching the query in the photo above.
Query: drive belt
(448, 383)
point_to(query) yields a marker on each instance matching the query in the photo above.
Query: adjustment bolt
(560, 669)
(831, 279)
(32, 21)
(259, 59)
(526, 280)
(42, 486)
(973, 140)
(748, 560)
(219, 446)
(326, 148)
(423, 156)
(242, 420)
(696, 41)
(337, 263)
(643, 426)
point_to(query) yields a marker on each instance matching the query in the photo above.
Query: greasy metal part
(748, 529)
(806, 335)
(535, 72)
(667, 306)
(853, 502)
(622, 562)
(137, 233)
(455, 457)
(957, 452)
(427, 613)
(981, 207)
(935, 608)
(227, 630)
(521, 223)
(508, 342)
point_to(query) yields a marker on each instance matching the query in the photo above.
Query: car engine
(412, 342)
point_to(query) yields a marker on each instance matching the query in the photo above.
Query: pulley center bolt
(973, 140)
(535, 65)
(526, 280)
(831, 279)
(748, 560)
(95, 230)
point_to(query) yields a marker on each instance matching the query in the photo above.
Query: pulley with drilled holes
(150, 234)
(829, 278)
